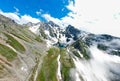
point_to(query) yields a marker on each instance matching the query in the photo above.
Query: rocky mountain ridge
(69, 35)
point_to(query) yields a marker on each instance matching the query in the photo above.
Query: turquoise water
(60, 45)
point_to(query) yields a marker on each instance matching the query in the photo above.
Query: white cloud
(97, 16)
(28, 18)
(20, 19)
(39, 12)
(49, 18)
(99, 12)
(16, 9)
(10, 15)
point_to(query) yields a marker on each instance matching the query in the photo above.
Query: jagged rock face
(45, 28)
(51, 28)
(53, 24)
(72, 32)
(50, 31)
(104, 42)
(55, 33)
(99, 38)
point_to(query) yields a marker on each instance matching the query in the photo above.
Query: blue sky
(96, 16)
(54, 7)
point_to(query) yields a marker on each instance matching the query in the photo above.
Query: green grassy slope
(7, 52)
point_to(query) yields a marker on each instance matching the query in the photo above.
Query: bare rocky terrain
(28, 50)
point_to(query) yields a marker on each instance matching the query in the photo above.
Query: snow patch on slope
(35, 28)
(59, 67)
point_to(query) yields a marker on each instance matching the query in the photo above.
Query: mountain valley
(45, 51)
